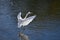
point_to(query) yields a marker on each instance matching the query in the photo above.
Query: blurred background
(46, 26)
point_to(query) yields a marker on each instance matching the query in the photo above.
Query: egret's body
(24, 21)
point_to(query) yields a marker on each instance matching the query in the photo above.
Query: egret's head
(29, 13)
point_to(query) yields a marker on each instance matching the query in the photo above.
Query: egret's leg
(23, 29)
(20, 29)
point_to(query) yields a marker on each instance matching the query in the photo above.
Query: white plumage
(24, 21)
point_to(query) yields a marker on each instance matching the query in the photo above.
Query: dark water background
(46, 26)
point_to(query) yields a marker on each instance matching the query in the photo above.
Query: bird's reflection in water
(23, 36)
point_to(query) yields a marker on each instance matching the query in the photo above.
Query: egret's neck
(26, 16)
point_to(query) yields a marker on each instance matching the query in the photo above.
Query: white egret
(24, 21)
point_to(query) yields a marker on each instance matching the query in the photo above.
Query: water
(49, 32)
(43, 27)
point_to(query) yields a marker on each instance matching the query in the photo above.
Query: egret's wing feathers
(28, 20)
(19, 16)
(19, 23)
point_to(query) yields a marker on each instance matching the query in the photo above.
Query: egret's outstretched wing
(28, 20)
(19, 23)
(19, 20)
(19, 16)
